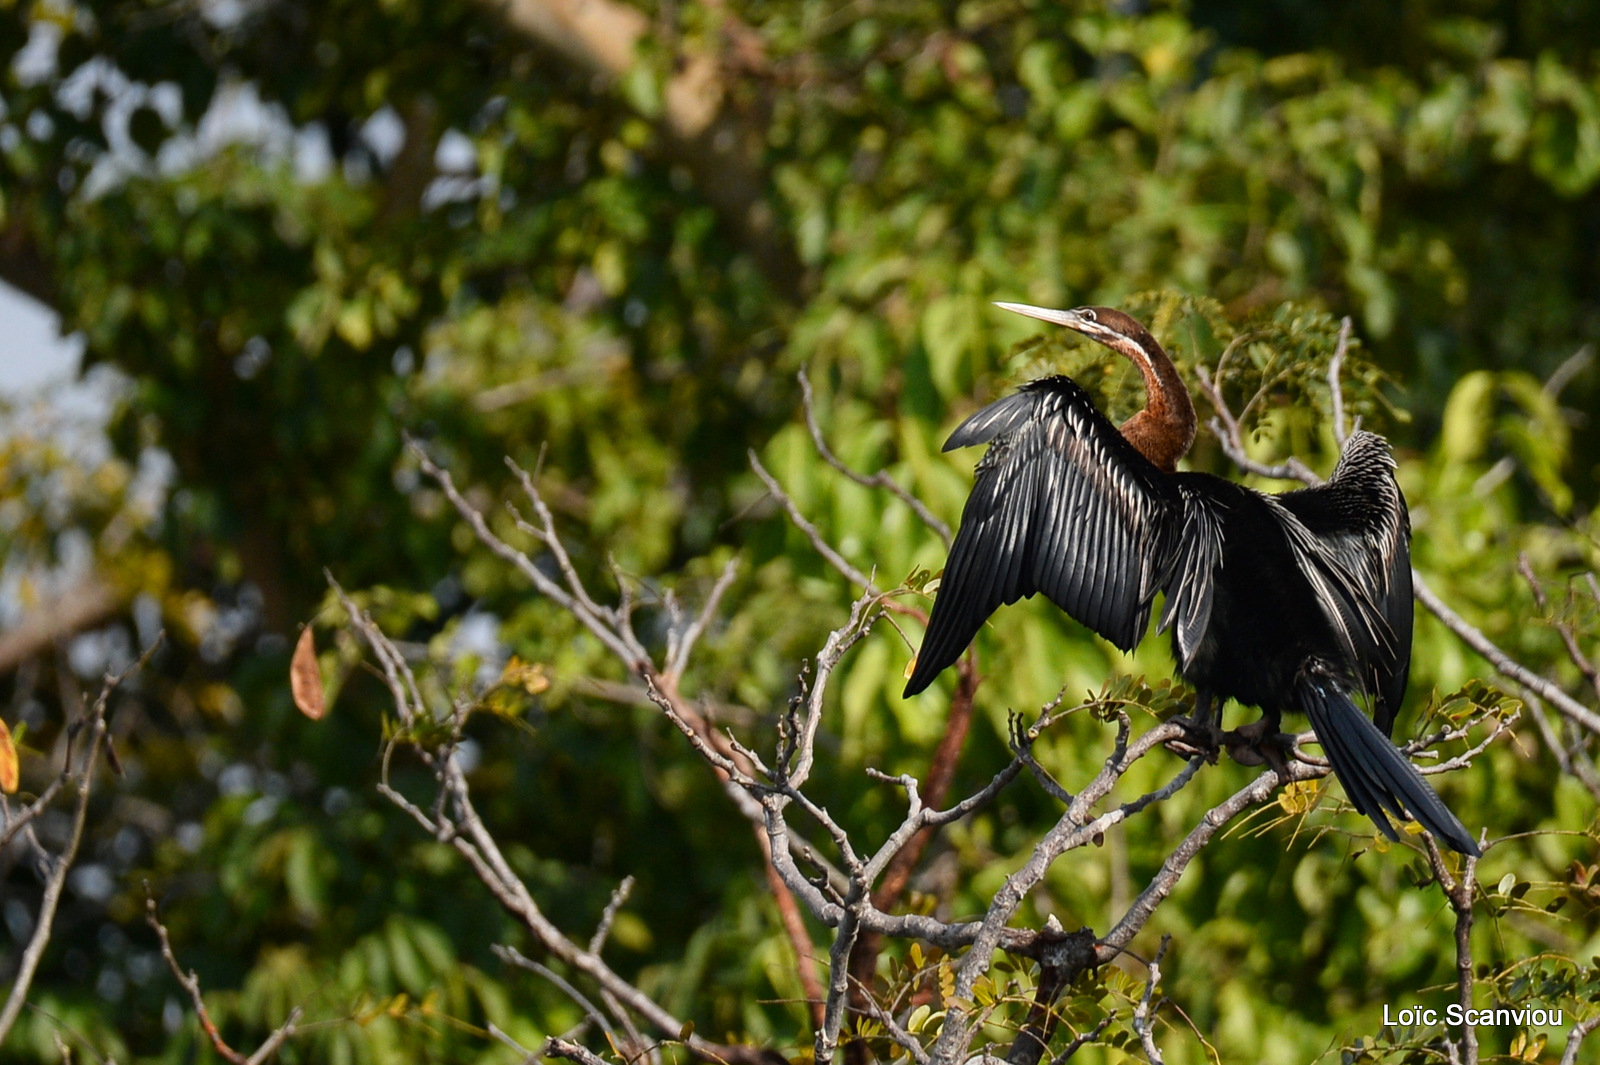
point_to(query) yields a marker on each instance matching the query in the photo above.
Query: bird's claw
(1199, 738)
(1260, 743)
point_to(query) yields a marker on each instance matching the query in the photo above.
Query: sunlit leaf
(305, 677)
(9, 776)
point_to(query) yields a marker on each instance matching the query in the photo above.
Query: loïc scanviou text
(1456, 1014)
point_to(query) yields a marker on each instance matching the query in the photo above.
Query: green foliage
(1238, 175)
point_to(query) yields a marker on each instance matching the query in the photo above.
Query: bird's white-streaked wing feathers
(1192, 586)
(1062, 505)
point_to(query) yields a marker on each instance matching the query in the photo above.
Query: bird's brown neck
(1163, 431)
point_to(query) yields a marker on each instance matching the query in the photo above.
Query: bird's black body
(1289, 602)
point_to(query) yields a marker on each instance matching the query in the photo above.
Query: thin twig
(677, 662)
(1503, 663)
(513, 956)
(1502, 727)
(561, 1048)
(1567, 632)
(61, 865)
(1335, 388)
(1572, 759)
(901, 1037)
(1143, 1013)
(1570, 368)
(505, 1038)
(190, 982)
(16, 822)
(1228, 433)
(818, 542)
(619, 898)
(881, 479)
(1077, 1042)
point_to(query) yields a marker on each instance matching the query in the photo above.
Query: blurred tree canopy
(601, 240)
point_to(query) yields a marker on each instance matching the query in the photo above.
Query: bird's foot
(1260, 743)
(1201, 738)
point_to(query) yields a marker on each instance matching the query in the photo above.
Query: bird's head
(1163, 431)
(1106, 325)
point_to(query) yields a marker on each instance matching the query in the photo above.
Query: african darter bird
(1297, 601)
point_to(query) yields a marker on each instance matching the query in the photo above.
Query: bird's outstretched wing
(1361, 538)
(1062, 505)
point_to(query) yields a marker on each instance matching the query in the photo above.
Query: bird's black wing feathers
(1062, 505)
(1363, 543)
(998, 418)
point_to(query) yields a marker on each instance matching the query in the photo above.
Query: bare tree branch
(1256, 792)
(878, 480)
(1564, 629)
(619, 898)
(1570, 757)
(1225, 427)
(190, 982)
(93, 726)
(1336, 387)
(1144, 1013)
(1575, 1038)
(513, 956)
(1459, 890)
(1075, 829)
(16, 822)
(1078, 1041)
(897, 874)
(1069, 954)
(1504, 664)
(457, 823)
(683, 645)
(844, 942)
(818, 542)
(561, 1048)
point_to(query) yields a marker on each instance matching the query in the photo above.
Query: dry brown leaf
(8, 761)
(305, 677)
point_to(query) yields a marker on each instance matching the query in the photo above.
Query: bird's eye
(1086, 314)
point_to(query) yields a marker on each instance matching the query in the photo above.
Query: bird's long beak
(1070, 319)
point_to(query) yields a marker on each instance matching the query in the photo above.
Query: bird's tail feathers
(1375, 774)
